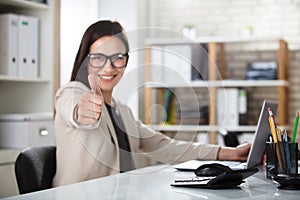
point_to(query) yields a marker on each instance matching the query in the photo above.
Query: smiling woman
(98, 136)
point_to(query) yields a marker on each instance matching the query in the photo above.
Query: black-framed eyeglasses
(118, 60)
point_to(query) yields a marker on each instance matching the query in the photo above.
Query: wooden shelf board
(201, 128)
(223, 83)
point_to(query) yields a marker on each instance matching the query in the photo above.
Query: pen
(278, 133)
(287, 151)
(285, 138)
(280, 150)
(295, 128)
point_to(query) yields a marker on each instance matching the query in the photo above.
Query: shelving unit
(30, 95)
(216, 51)
(25, 4)
(22, 95)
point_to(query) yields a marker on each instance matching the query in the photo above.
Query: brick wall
(231, 17)
(280, 18)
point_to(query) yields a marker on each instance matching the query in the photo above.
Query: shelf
(224, 83)
(19, 79)
(201, 128)
(34, 94)
(207, 128)
(24, 4)
(217, 54)
(213, 39)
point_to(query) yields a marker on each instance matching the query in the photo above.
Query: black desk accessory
(220, 177)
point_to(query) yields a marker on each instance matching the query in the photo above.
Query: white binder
(28, 45)
(34, 47)
(157, 67)
(177, 64)
(228, 107)
(9, 44)
(170, 64)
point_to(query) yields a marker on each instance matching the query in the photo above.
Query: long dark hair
(93, 33)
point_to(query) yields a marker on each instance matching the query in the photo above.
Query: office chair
(35, 168)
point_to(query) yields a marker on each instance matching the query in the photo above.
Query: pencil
(295, 128)
(271, 115)
(273, 129)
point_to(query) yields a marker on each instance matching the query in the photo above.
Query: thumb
(93, 81)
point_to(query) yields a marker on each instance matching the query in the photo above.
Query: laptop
(261, 135)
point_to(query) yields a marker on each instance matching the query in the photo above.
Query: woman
(98, 136)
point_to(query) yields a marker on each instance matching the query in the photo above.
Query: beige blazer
(85, 153)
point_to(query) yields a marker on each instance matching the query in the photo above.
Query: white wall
(76, 16)
(132, 15)
(231, 17)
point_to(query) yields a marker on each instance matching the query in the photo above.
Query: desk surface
(154, 183)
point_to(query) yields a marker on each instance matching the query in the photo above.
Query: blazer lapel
(130, 128)
(110, 125)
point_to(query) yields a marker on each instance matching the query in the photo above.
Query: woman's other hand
(240, 153)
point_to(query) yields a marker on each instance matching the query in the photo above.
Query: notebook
(261, 135)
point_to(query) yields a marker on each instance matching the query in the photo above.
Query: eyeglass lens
(99, 60)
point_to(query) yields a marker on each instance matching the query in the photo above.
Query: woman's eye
(100, 58)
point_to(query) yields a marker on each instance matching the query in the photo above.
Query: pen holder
(282, 158)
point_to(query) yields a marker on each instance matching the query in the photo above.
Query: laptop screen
(257, 149)
(261, 134)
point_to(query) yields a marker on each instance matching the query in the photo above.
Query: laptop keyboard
(194, 164)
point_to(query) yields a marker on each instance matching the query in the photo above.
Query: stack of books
(192, 116)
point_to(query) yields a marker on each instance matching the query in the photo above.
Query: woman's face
(108, 75)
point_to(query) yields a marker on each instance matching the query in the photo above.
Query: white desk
(154, 183)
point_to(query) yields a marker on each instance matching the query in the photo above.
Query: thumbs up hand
(93, 81)
(89, 107)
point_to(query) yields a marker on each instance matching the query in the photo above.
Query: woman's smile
(107, 77)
